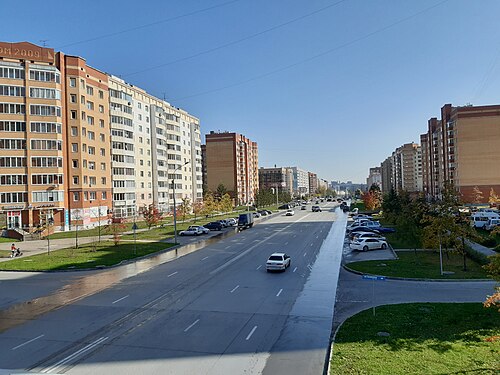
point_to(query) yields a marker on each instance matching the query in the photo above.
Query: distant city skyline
(330, 86)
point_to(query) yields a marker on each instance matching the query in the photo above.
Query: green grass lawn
(4, 239)
(423, 265)
(401, 243)
(425, 338)
(86, 256)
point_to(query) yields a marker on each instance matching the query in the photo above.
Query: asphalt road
(213, 311)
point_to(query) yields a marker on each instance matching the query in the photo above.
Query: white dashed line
(172, 274)
(251, 333)
(191, 325)
(205, 258)
(295, 269)
(259, 267)
(236, 287)
(120, 299)
(277, 295)
(305, 253)
(27, 342)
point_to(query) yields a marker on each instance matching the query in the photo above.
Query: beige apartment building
(79, 147)
(32, 137)
(400, 171)
(277, 177)
(232, 160)
(462, 147)
(88, 154)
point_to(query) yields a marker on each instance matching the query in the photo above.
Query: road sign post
(134, 228)
(373, 278)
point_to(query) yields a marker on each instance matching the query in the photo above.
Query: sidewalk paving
(480, 248)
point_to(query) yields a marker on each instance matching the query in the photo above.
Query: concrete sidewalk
(480, 248)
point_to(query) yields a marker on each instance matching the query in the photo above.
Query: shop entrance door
(13, 219)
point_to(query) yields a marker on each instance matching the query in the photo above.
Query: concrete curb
(414, 279)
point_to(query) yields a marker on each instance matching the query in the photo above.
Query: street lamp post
(175, 206)
(98, 213)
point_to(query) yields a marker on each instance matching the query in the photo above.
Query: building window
(103, 152)
(72, 98)
(101, 123)
(75, 180)
(75, 163)
(12, 108)
(74, 131)
(90, 105)
(90, 120)
(74, 147)
(103, 194)
(102, 137)
(101, 94)
(101, 108)
(73, 115)
(76, 196)
(90, 90)
(103, 166)
(72, 82)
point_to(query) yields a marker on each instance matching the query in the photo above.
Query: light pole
(175, 206)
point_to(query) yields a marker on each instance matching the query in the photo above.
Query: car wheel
(365, 248)
(384, 246)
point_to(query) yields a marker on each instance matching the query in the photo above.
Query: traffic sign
(371, 277)
(135, 227)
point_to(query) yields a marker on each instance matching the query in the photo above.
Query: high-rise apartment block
(374, 177)
(403, 169)
(300, 181)
(232, 160)
(79, 146)
(462, 148)
(313, 182)
(277, 177)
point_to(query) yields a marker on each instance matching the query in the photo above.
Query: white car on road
(290, 213)
(278, 262)
(194, 230)
(365, 244)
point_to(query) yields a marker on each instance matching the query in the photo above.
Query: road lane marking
(251, 333)
(295, 269)
(231, 261)
(312, 244)
(286, 243)
(277, 295)
(64, 361)
(191, 325)
(227, 247)
(205, 258)
(259, 267)
(172, 274)
(305, 253)
(317, 236)
(27, 342)
(120, 299)
(236, 287)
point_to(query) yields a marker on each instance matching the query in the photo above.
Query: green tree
(493, 198)
(197, 209)
(220, 191)
(391, 206)
(116, 228)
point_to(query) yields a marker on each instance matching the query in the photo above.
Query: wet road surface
(211, 311)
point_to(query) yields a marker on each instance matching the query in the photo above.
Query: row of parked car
(218, 225)
(367, 234)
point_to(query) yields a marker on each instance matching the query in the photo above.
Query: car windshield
(275, 257)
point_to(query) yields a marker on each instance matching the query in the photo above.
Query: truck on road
(245, 221)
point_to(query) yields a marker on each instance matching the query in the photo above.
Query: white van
(492, 223)
(480, 219)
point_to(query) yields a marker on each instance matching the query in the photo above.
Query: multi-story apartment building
(76, 144)
(277, 177)
(386, 175)
(406, 162)
(32, 136)
(313, 182)
(88, 156)
(462, 148)
(374, 177)
(232, 160)
(300, 181)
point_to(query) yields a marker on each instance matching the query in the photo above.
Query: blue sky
(334, 86)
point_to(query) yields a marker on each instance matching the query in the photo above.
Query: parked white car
(362, 216)
(365, 244)
(360, 235)
(193, 230)
(278, 262)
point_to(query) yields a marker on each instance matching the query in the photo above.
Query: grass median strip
(86, 256)
(419, 338)
(422, 265)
